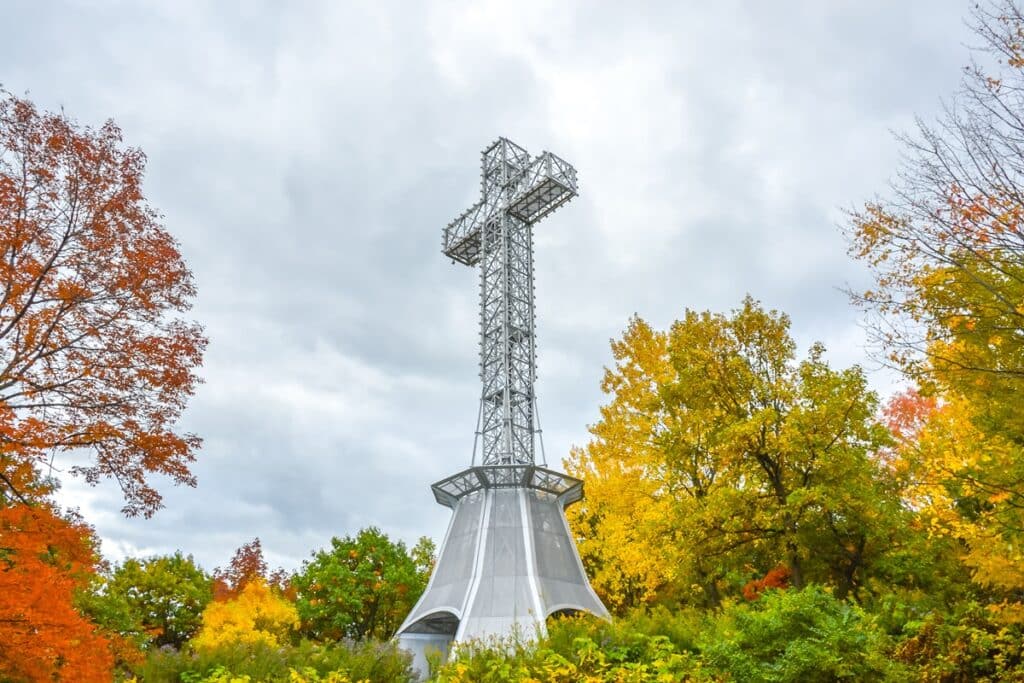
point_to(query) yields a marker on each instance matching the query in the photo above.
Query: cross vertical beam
(496, 233)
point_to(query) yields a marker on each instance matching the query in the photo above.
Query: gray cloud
(308, 155)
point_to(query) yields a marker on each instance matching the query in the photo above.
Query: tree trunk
(796, 570)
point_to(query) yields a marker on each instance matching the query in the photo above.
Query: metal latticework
(496, 233)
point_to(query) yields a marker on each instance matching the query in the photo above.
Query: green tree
(717, 440)
(159, 600)
(361, 587)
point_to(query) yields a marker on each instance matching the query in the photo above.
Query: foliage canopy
(361, 587)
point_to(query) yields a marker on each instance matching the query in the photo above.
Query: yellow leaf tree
(966, 486)
(720, 457)
(947, 252)
(258, 615)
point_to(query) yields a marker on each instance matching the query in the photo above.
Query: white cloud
(308, 156)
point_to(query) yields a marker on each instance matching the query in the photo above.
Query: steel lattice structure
(508, 560)
(496, 233)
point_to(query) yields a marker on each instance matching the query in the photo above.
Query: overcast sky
(307, 156)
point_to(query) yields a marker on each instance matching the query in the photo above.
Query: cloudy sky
(307, 155)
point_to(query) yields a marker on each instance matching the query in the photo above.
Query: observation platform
(449, 491)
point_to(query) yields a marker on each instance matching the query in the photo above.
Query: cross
(496, 233)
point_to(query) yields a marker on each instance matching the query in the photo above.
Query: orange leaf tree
(96, 360)
(247, 565)
(44, 558)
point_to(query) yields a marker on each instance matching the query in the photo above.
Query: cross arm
(547, 183)
(461, 241)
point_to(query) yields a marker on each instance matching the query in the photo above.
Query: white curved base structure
(507, 562)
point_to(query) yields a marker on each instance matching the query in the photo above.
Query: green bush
(585, 648)
(644, 658)
(798, 636)
(785, 636)
(367, 660)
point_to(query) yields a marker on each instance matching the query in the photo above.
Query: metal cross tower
(508, 560)
(497, 233)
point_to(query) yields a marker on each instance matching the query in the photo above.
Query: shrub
(970, 643)
(798, 636)
(577, 649)
(306, 662)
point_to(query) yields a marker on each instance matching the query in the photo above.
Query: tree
(719, 457)
(257, 615)
(96, 361)
(622, 511)
(44, 559)
(947, 252)
(957, 479)
(162, 598)
(361, 587)
(947, 247)
(247, 565)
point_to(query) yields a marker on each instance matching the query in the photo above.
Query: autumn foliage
(777, 577)
(946, 249)
(753, 513)
(44, 558)
(96, 362)
(721, 454)
(246, 566)
(257, 614)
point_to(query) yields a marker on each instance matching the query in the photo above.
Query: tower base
(508, 561)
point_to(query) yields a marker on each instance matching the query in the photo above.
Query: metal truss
(496, 233)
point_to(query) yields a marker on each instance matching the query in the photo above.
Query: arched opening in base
(436, 623)
(429, 640)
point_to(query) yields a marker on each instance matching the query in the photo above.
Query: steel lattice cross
(497, 233)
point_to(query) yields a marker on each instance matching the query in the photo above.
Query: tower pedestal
(507, 562)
